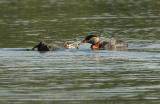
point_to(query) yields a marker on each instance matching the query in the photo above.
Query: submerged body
(109, 43)
(43, 46)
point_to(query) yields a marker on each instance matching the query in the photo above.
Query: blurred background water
(79, 76)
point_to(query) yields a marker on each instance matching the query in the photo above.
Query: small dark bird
(43, 46)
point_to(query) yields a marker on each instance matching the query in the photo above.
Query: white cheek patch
(95, 40)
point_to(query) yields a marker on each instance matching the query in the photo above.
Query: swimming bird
(109, 43)
(43, 46)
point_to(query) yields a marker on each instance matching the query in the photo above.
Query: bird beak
(34, 47)
(84, 41)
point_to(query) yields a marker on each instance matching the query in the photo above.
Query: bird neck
(95, 46)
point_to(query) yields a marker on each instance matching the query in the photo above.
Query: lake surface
(79, 76)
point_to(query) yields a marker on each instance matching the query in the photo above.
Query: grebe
(109, 43)
(43, 46)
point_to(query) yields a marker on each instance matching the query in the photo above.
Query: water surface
(79, 76)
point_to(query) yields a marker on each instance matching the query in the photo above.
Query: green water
(79, 76)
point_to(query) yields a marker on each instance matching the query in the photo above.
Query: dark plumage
(89, 37)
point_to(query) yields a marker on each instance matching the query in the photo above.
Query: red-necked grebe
(108, 43)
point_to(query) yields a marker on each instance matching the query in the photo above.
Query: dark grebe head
(42, 46)
(92, 39)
